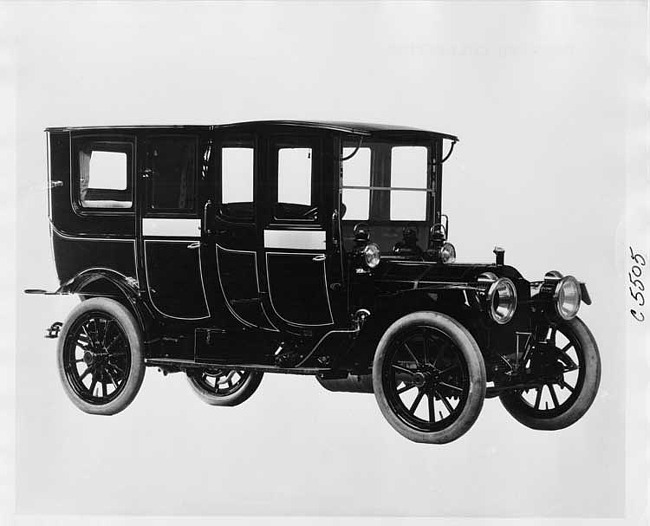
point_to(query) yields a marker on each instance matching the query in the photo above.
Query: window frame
(356, 149)
(424, 190)
(234, 141)
(382, 167)
(147, 188)
(119, 144)
(288, 141)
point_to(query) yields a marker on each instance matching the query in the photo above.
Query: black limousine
(315, 248)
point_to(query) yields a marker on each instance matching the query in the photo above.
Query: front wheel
(100, 356)
(224, 387)
(566, 367)
(428, 376)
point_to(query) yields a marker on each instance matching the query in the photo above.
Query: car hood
(425, 274)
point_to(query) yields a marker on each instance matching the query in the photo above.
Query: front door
(236, 163)
(171, 226)
(294, 229)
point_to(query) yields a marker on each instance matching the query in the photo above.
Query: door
(92, 206)
(171, 226)
(236, 229)
(295, 244)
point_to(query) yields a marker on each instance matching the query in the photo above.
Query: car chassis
(306, 269)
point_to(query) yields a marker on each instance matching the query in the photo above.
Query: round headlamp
(501, 297)
(447, 253)
(567, 297)
(371, 255)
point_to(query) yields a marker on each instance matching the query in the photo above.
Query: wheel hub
(420, 379)
(427, 377)
(89, 358)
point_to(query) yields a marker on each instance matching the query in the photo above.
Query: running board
(191, 364)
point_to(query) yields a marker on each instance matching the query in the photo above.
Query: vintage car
(314, 248)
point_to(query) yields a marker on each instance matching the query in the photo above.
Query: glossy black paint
(212, 291)
(238, 272)
(172, 267)
(79, 253)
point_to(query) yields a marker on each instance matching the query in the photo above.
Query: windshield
(385, 181)
(387, 185)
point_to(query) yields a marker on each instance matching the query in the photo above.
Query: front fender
(584, 293)
(447, 299)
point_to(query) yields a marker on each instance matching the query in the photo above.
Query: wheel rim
(426, 379)
(97, 357)
(562, 376)
(221, 382)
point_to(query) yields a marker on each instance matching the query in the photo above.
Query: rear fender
(107, 283)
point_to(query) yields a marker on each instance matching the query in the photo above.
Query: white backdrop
(542, 97)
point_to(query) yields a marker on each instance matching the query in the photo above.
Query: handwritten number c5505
(635, 276)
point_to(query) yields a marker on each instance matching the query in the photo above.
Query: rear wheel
(429, 378)
(100, 356)
(567, 366)
(224, 387)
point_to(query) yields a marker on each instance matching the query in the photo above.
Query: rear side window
(104, 175)
(173, 162)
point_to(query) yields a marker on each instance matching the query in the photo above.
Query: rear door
(170, 241)
(92, 205)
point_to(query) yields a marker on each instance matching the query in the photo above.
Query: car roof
(354, 128)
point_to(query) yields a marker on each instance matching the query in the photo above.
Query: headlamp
(447, 253)
(567, 297)
(565, 292)
(500, 298)
(371, 255)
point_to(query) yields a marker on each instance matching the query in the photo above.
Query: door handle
(206, 217)
(319, 257)
(196, 244)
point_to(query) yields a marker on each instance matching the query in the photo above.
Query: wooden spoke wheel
(429, 377)
(100, 356)
(224, 387)
(566, 369)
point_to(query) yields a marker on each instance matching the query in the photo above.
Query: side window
(408, 170)
(295, 198)
(173, 161)
(356, 172)
(104, 175)
(237, 176)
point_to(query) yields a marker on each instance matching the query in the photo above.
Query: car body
(314, 248)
